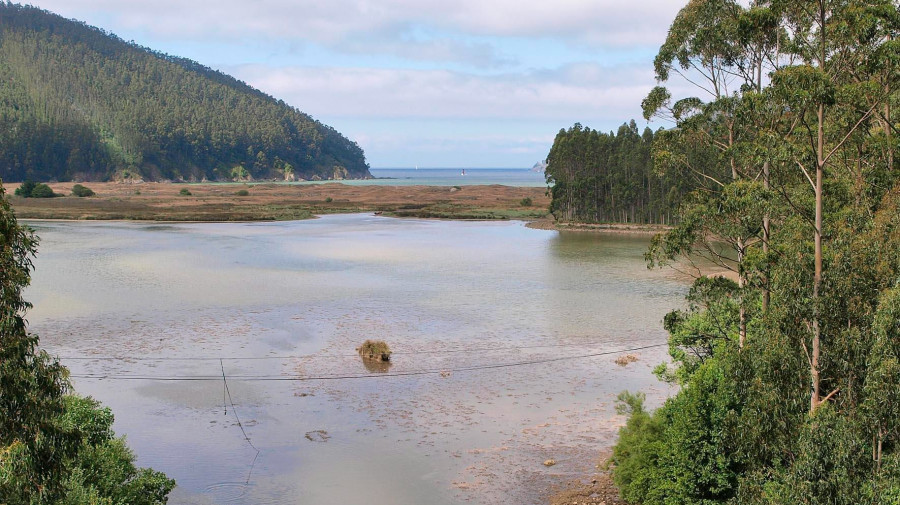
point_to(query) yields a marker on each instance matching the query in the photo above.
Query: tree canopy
(787, 367)
(597, 177)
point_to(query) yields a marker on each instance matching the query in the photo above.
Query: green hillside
(79, 103)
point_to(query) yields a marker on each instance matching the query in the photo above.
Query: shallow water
(457, 301)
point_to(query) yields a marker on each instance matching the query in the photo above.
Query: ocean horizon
(462, 176)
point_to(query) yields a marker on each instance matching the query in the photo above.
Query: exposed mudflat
(505, 345)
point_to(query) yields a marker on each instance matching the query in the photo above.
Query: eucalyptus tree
(842, 79)
(608, 177)
(807, 411)
(723, 51)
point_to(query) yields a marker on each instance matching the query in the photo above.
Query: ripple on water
(227, 492)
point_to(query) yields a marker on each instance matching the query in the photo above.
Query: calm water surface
(163, 301)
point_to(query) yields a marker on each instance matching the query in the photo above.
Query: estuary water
(504, 343)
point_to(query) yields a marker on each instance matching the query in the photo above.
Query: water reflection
(376, 366)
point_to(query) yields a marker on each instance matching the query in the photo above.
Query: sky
(428, 83)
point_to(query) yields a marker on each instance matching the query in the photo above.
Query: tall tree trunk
(815, 398)
(887, 118)
(766, 294)
(742, 311)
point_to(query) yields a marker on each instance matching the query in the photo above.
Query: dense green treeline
(788, 367)
(79, 103)
(597, 177)
(56, 448)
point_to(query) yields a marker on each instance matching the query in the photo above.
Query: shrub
(375, 349)
(329, 200)
(526, 202)
(185, 192)
(242, 192)
(686, 451)
(104, 467)
(25, 189)
(42, 191)
(82, 191)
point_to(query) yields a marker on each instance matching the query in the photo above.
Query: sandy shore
(547, 223)
(274, 201)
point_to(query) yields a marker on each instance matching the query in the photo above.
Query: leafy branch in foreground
(55, 447)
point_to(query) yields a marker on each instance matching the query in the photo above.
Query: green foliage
(31, 189)
(82, 191)
(706, 329)
(526, 202)
(79, 103)
(789, 377)
(55, 448)
(329, 199)
(185, 192)
(640, 445)
(597, 177)
(24, 190)
(881, 408)
(680, 453)
(104, 466)
(32, 442)
(242, 192)
(239, 173)
(42, 190)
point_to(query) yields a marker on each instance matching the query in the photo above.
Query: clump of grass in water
(626, 359)
(375, 349)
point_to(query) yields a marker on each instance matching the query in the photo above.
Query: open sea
(522, 177)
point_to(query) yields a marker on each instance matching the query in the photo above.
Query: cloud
(430, 143)
(473, 85)
(401, 116)
(573, 92)
(479, 55)
(460, 150)
(408, 28)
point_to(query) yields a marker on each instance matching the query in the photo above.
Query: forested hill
(77, 102)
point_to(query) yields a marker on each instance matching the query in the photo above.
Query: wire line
(357, 376)
(234, 411)
(303, 356)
